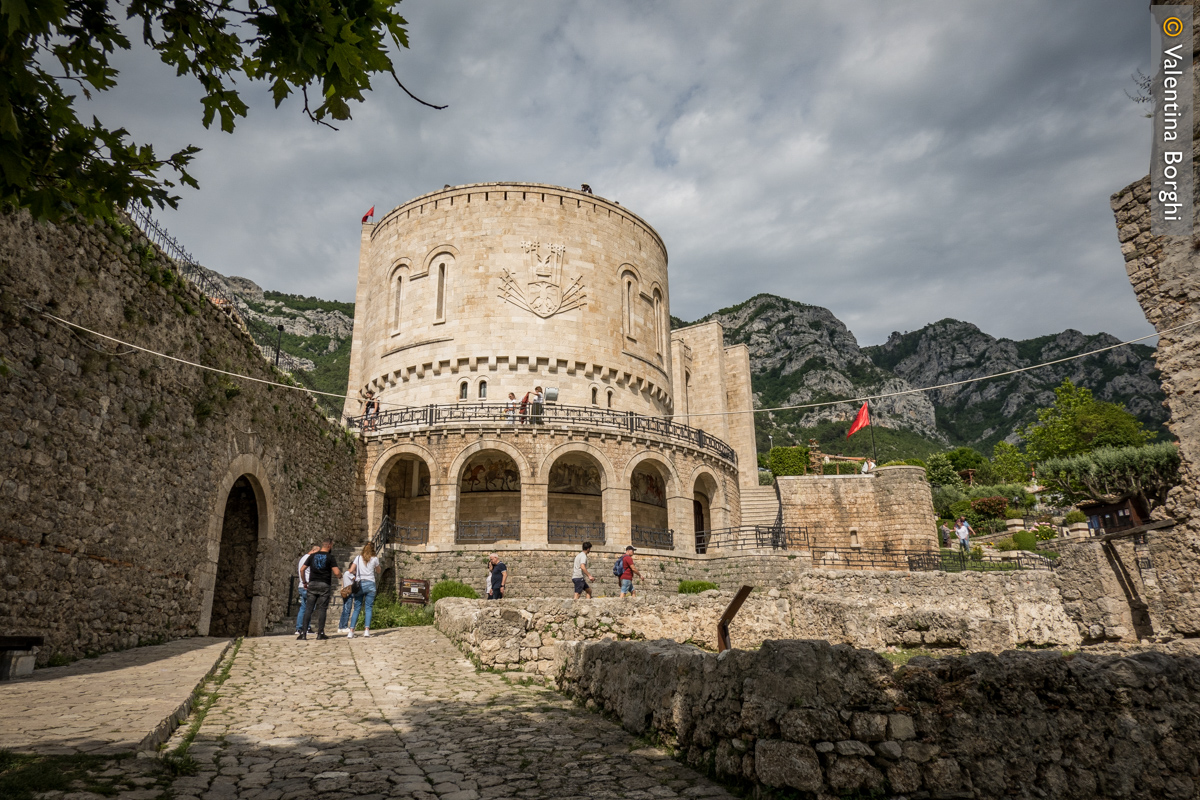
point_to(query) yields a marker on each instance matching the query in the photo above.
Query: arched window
(658, 324)
(462, 391)
(441, 291)
(595, 396)
(483, 390)
(397, 301)
(629, 307)
(610, 398)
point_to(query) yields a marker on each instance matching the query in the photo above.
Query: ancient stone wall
(834, 721)
(892, 508)
(116, 467)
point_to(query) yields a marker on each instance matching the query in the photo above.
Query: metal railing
(575, 532)
(753, 537)
(552, 414)
(486, 532)
(390, 532)
(883, 558)
(662, 539)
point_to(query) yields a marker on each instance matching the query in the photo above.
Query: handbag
(355, 588)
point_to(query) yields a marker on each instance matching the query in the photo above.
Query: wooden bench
(17, 655)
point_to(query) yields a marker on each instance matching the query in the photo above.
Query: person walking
(347, 595)
(322, 569)
(945, 535)
(539, 401)
(510, 408)
(628, 572)
(364, 568)
(302, 571)
(497, 578)
(964, 531)
(580, 575)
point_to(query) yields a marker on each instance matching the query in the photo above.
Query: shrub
(1073, 516)
(389, 612)
(788, 460)
(1110, 475)
(1006, 545)
(904, 462)
(695, 587)
(765, 478)
(1045, 533)
(1025, 540)
(992, 507)
(451, 589)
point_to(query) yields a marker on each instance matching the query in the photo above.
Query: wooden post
(731, 611)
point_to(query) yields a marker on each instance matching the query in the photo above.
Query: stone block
(787, 764)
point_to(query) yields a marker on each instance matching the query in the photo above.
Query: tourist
(539, 400)
(347, 595)
(363, 567)
(628, 572)
(303, 573)
(322, 569)
(580, 575)
(964, 531)
(510, 408)
(372, 411)
(868, 466)
(497, 578)
(945, 535)
(524, 408)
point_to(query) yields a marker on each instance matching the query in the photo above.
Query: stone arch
(249, 469)
(707, 496)
(577, 477)
(489, 494)
(608, 473)
(377, 478)
(398, 277)
(653, 483)
(673, 482)
(427, 263)
(460, 460)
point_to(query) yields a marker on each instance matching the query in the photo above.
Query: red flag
(369, 214)
(861, 420)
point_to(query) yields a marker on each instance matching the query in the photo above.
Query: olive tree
(1113, 474)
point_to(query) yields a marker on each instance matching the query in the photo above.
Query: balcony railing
(390, 532)
(551, 415)
(575, 532)
(473, 532)
(659, 538)
(753, 537)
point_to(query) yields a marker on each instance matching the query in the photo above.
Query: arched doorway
(575, 505)
(489, 499)
(702, 494)
(648, 506)
(406, 487)
(233, 593)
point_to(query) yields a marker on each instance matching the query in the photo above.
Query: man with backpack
(322, 569)
(625, 570)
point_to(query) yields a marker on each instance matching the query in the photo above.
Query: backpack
(619, 567)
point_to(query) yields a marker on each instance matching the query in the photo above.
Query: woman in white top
(363, 569)
(347, 603)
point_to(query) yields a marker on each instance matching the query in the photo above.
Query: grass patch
(178, 759)
(696, 587)
(451, 589)
(389, 612)
(902, 655)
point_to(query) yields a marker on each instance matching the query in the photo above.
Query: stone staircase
(760, 506)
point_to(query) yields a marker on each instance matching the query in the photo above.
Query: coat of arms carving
(544, 294)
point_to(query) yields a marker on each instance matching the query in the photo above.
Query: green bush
(788, 460)
(1073, 516)
(695, 587)
(992, 507)
(904, 462)
(1006, 545)
(765, 478)
(841, 468)
(451, 589)
(1045, 533)
(1025, 540)
(389, 612)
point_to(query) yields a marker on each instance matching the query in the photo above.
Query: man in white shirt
(302, 571)
(580, 571)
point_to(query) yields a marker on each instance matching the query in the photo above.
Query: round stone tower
(473, 292)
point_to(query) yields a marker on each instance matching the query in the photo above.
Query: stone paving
(404, 715)
(108, 704)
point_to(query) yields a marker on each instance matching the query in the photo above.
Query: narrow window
(658, 327)
(595, 396)
(462, 391)
(854, 537)
(629, 309)
(441, 292)
(610, 398)
(398, 305)
(483, 390)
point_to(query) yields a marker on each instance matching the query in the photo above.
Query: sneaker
(367, 633)
(300, 636)
(321, 636)
(350, 635)
(341, 630)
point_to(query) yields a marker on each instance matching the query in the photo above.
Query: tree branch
(304, 91)
(410, 94)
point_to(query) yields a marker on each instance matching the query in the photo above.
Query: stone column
(535, 511)
(616, 516)
(443, 511)
(375, 499)
(681, 518)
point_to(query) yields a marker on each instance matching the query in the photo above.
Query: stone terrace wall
(546, 572)
(830, 720)
(939, 611)
(115, 466)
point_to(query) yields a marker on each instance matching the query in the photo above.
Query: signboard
(413, 590)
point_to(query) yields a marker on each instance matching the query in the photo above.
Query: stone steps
(760, 506)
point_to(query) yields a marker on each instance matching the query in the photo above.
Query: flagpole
(871, 425)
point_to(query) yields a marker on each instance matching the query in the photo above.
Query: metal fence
(575, 532)
(390, 532)
(552, 414)
(486, 532)
(662, 539)
(753, 537)
(884, 558)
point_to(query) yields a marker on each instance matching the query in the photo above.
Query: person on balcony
(510, 408)
(539, 400)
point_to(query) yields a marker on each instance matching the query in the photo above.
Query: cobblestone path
(404, 715)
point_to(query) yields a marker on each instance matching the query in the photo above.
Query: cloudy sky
(896, 162)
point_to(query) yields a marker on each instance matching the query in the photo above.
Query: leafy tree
(1009, 463)
(940, 471)
(1112, 474)
(788, 460)
(55, 165)
(993, 507)
(965, 458)
(1078, 423)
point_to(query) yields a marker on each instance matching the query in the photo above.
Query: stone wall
(827, 720)
(936, 611)
(892, 507)
(116, 467)
(1165, 275)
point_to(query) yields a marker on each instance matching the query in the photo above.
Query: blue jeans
(626, 586)
(347, 604)
(365, 600)
(303, 603)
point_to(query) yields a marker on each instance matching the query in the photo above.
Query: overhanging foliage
(1113, 474)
